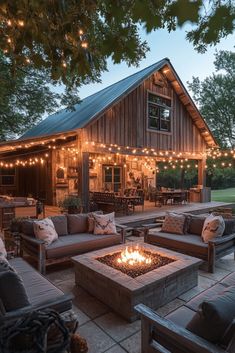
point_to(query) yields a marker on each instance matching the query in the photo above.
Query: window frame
(156, 130)
(11, 175)
(113, 183)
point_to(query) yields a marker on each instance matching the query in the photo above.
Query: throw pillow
(196, 224)
(12, 292)
(4, 264)
(229, 226)
(213, 227)
(61, 224)
(173, 223)
(91, 220)
(27, 227)
(104, 224)
(77, 223)
(214, 317)
(3, 251)
(45, 230)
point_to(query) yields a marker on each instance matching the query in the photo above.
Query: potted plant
(71, 204)
(15, 224)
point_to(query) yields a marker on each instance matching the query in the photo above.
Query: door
(112, 178)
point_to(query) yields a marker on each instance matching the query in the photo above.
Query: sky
(185, 59)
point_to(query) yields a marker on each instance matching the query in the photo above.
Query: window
(112, 178)
(159, 113)
(7, 176)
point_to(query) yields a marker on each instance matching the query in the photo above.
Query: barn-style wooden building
(112, 139)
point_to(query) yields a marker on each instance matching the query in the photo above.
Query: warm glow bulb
(84, 45)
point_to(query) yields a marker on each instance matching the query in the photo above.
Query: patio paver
(104, 330)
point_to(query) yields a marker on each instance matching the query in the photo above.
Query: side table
(12, 242)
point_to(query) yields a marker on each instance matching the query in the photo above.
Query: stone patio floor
(103, 329)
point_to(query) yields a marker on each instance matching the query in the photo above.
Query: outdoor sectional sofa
(169, 334)
(192, 243)
(20, 310)
(73, 239)
(41, 292)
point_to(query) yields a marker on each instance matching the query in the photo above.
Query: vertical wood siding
(125, 123)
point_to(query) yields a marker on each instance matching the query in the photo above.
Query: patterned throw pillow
(104, 224)
(3, 251)
(91, 220)
(4, 264)
(173, 223)
(213, 227)
(45, 230)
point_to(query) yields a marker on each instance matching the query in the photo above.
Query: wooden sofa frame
(172, 335)
(213, 246)
(37, 249)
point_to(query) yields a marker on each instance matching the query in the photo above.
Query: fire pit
(99, 272)
(135, 261)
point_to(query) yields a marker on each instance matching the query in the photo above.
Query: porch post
(202, 172)
(83, 179)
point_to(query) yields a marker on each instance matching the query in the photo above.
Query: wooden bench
(107, 202)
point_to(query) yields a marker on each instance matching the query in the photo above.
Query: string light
(150, 154)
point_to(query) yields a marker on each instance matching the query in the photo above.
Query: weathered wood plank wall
(125, 123)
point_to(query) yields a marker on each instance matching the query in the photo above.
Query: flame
(133, 257)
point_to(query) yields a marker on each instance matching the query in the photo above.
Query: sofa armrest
(170, 332)
(147, 227)
(222, 240)
(122, 230)
(15, 314)
(36, 248)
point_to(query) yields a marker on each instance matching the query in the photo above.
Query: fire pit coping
(90, 261)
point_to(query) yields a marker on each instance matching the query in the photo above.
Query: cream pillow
(2, 248)
(45, 230)
(213, 227)
(104, 224)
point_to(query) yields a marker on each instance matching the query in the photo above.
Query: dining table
(175, 196)
(128, 202)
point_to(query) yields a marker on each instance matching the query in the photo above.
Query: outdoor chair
(160, 335)
(159, 199)
(140, 201)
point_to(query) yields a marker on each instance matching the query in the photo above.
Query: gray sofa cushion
(229, 226)
(189, 243)
(214, 317)
(196, 224)
(77, 223)
(27, 227)
(38, 288)
(61, 224)
(71, 245)
(12, 291)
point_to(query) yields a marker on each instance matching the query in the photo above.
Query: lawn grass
(224, 195)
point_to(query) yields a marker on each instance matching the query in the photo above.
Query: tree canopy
(215, 97)
(72, 39)
(25, 98)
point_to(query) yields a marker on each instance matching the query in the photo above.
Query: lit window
(159, 113)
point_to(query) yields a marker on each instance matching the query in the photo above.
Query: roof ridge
(113, 84)
(91, 106)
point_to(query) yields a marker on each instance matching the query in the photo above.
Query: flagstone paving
(104, 330)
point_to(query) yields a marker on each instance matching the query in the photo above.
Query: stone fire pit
(122, 292)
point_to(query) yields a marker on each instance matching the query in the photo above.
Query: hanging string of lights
(11, 29)
(169, 158)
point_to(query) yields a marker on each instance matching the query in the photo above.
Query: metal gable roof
(67, 120)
